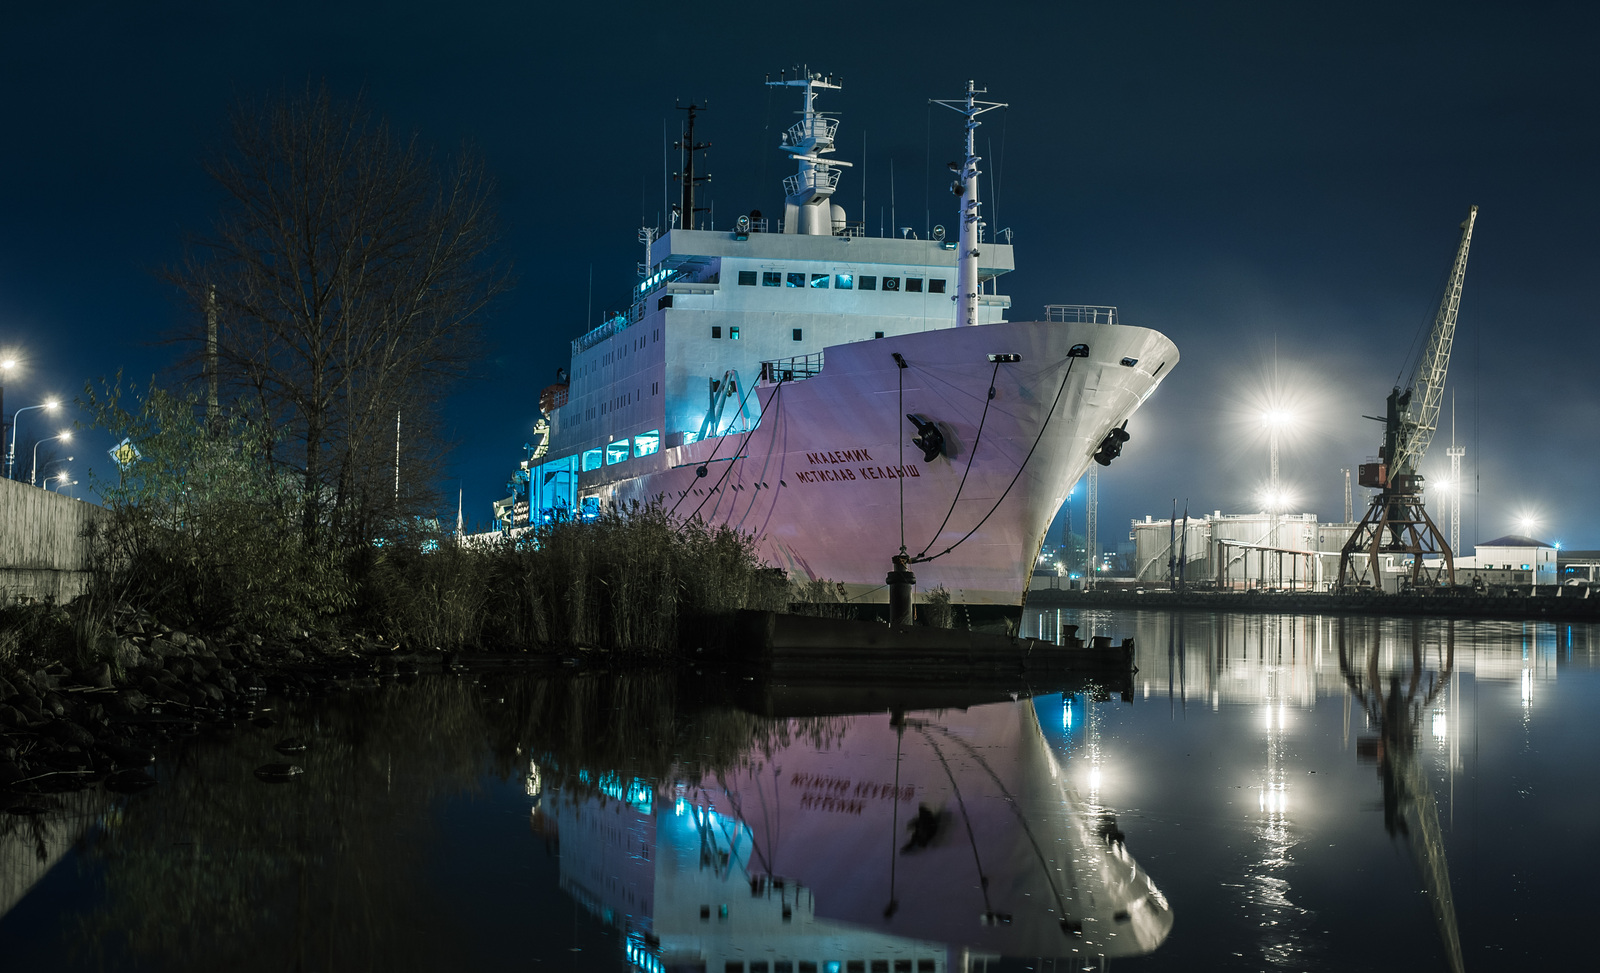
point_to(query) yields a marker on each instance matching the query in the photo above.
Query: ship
(844, 399)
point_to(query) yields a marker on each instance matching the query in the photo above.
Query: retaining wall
(43, 553)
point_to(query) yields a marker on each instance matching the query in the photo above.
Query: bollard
(900, 582)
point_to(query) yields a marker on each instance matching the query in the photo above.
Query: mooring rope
(777, 398)
(960, 486)
(920, 559)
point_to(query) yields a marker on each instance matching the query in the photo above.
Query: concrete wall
(43, 553)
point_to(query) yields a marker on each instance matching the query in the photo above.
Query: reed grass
(625, 583)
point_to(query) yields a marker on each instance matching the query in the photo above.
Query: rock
(69, 732)
(121, 756)
(55, 705)
(97, 676)
(67, 760)
(295, 655)
(129, 781)
(135, 700)
(179, 639)
(6, 689)
(13, 717)
(278, 773)
(127, 655)
(291, 745)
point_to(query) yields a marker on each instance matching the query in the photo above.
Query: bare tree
(348, 273)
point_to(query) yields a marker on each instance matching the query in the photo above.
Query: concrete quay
(1551, 607)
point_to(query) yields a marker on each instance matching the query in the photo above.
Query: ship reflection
(1396, 697)
(930, 841)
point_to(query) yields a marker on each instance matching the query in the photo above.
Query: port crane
(1397, 521)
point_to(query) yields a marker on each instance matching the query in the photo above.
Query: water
(1275, 793)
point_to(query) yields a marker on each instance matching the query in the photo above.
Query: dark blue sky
(1261, 182)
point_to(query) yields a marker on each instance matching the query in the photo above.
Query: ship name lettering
(839, 456)
(889, 472)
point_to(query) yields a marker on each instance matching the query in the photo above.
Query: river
(1267, 792)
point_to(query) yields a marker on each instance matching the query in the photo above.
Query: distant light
(1277, 418)
(51, 404)
(8, 364)
(67, 435)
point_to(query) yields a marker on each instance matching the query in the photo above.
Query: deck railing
(796, 369)
(1081, 313)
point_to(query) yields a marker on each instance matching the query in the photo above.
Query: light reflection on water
(1302, 792)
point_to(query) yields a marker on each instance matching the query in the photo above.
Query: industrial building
(1293, 552)
(1240, 551)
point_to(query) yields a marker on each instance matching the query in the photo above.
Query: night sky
(1276, 188)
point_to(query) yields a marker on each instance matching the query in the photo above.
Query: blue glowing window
(733, 333)
(844, 281)
(647, 442)
(591, 460)
(796, 280)
(771, 278)
(617, 452)
(819, 280)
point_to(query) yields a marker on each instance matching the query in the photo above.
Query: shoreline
(1503, 608)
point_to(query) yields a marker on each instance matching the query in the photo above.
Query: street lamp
(1528, 524)
(6, 365)
(11, 453)
(33, 471)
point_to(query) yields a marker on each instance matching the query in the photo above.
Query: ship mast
(966, 188)
(808, 204)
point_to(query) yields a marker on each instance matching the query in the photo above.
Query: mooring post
(900, 582)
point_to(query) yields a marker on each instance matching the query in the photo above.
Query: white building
(1510, 560)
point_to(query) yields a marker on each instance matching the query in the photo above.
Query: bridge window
(647, 442)
(716, 331)
(844, 281)
(797, 334)
(733, 333)
(591, 460)
(771, 278)
(819, 280)
(936, 285)
(617, 452)
(867, 282)
(796, 280)
(747, 278)
(891, 283)
(913, 285)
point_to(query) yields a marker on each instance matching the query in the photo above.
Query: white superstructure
(783, 379)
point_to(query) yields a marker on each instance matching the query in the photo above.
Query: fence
(43, 551)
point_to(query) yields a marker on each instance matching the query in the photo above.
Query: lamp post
(1275, 420)
(33, 471)
(61, 481)
(11, 453)
(1529, 525)
(6, 365)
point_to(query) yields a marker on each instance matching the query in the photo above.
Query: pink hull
(819, 479)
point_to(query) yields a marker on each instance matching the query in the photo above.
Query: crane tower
(1397, 521)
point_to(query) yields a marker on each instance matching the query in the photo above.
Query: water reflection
(933, 840)
(675, 829)
(1396, 698)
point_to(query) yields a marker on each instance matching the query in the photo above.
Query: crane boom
(1421, 418)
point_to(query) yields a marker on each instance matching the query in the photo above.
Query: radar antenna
(966, 189)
